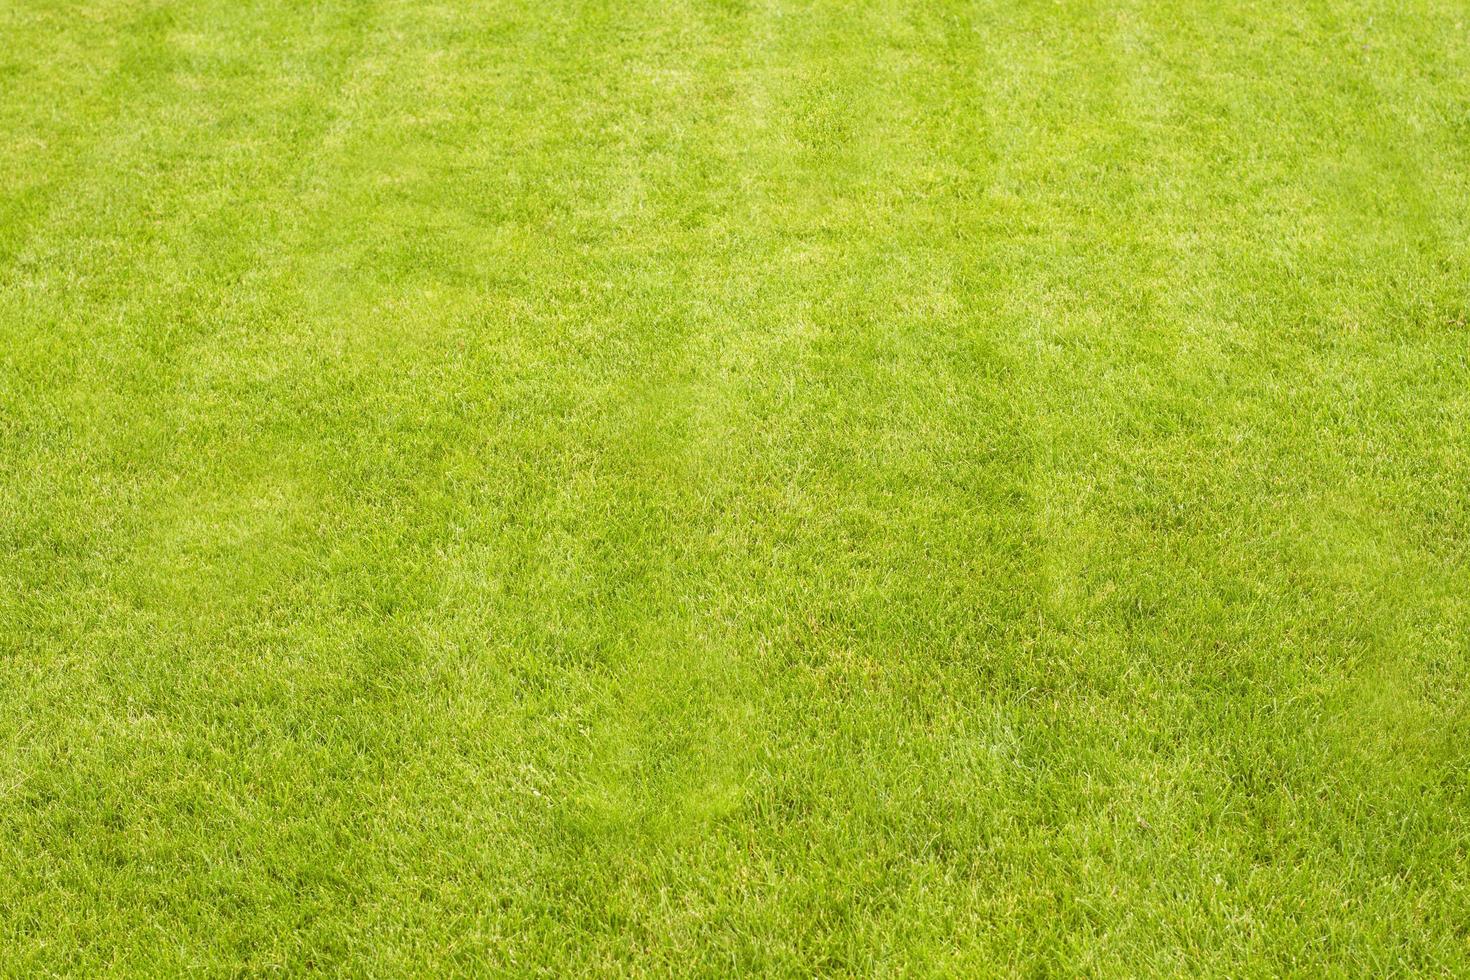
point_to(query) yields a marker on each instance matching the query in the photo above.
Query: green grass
(708, 487)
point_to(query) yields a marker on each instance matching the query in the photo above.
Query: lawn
(734, 486)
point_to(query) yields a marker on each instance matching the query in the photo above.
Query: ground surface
(697, 486)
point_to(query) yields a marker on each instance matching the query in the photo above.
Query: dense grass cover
(697, 487)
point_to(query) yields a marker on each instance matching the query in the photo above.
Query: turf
(734, 487)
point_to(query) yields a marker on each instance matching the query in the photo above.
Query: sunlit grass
(717, 487)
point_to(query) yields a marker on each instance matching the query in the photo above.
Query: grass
(752, 486)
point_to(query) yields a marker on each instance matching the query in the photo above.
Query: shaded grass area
(720, 486)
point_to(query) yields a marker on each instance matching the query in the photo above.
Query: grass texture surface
(702, 488)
